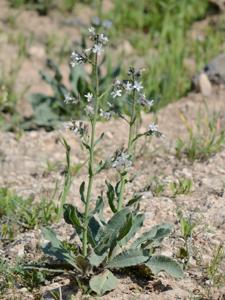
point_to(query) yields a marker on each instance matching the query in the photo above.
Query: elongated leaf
(135, 200)
(137, 222)
(111, 196)
(93, 227)
(160, 263)
(107, 235)
(132, 257)
(99, 206)
(155, 234)
(82, 188)
(103, 283)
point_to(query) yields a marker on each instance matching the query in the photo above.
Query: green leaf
(160, 263)
(96, 260)
(103, 283)
(55, 248)
(111, 196)
(155, 234)
(73, 216)
(137, 222)
(82, 188)
(99, 206)
(136, 198)
(108, 234)
(126, 228)
(93, 228)
(132, 257)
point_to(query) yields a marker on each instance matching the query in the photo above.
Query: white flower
(122, 161)
(138, 86)
(70, 99)
(103, 38)
(91, 30)
(116, 93)
(117, 82)
(143, 101)
(76, 59)
(97, 48)
(153, 127)
(89, 97)
(128, 86)
(105, 114)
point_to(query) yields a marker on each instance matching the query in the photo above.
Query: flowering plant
(107, 245)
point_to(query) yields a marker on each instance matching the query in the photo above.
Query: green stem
(129, 151)
(91, 160)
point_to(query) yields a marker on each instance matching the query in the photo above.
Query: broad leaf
(103, 283)
(96, 260)
(107, 235)
(155, 234)
(55, 248)
(128, 258)
(160, 263)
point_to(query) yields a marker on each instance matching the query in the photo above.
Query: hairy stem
(91, 159)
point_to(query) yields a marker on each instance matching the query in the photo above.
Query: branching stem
(91, 159)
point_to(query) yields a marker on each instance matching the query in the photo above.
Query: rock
(205, 86)
(17, 251)
(219, 3)
(215, 70)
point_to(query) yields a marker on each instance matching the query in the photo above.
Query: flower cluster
(121, 161)
(153, 130)
(133, 84)
(77, 127)
(99, 41)
(76, 58)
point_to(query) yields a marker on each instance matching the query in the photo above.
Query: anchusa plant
(105, 245)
